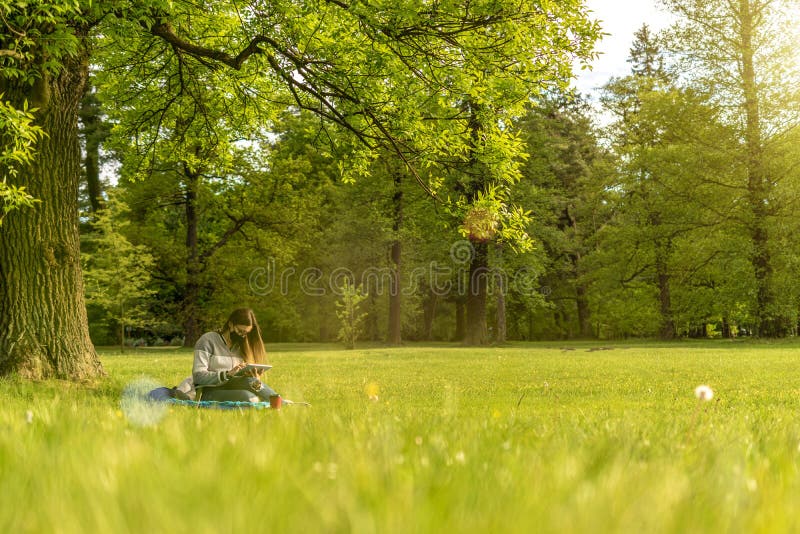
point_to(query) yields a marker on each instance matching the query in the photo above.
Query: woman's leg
(266, 392)
(229, 395)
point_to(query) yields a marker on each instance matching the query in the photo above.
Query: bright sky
(620, 19)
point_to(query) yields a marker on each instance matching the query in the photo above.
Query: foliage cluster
(16, 125)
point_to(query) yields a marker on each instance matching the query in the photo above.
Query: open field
(523, 438)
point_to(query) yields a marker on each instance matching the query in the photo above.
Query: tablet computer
(259, 366)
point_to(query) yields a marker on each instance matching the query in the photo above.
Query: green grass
(523, 438)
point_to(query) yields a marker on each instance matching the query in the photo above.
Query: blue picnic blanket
(163, 394)
(221, 405)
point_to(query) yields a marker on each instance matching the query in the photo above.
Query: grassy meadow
(429, 438)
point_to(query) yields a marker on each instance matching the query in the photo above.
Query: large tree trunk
(394, 336)
(478, 283)
(476, 330)
(197, 288)
(429, 314)
(191, 300)
(757, 181)
(43, 325)
(584, 312)
(581, 291)
(461, 319)
(395, 319)
(667, 331)
(500, 324)
(500, 336)
(581, 298)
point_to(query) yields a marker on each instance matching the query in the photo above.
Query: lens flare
(139, 409)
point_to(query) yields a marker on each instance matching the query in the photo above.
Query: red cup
(275, 402)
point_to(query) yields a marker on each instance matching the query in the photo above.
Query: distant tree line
(673, 215)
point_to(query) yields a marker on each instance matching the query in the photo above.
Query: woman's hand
(236, 370)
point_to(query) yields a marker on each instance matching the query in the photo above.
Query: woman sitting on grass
(220, 359)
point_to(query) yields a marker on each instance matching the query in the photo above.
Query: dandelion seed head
(704, 393)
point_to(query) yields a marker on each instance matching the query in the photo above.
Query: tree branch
(13, 54)
(166, 32)
(234, 228)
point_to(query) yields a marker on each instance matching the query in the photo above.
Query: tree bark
(500, 335)
(667, 331)
(395, 294)
(757, 181)
(44, 332)
(727, 332)
(461, 320)
(531, 326)
(584, 313)
(500, 323)
(581, 291)
(476, 329)
(429, 313)
(191, 302)
(196, 258)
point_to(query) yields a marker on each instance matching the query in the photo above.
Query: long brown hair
(252, 347)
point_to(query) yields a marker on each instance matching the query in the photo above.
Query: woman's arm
(204, 350)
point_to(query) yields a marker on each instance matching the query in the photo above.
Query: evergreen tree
(116, 272)
(565, 176)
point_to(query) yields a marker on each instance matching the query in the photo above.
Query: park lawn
(520, 438)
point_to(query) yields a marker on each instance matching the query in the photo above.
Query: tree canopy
(409, 77)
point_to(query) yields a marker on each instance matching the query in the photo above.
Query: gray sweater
(212, 360)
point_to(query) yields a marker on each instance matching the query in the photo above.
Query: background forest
(664, 206)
